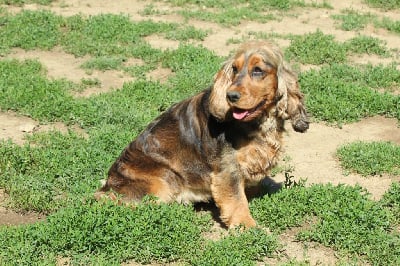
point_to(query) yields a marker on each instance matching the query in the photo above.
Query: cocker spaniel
(218, 142)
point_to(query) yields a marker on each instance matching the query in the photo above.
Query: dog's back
(172, 158)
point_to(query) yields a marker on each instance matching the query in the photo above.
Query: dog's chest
(256, 159)
(256, 156)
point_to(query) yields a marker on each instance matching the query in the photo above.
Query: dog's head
(254, 80)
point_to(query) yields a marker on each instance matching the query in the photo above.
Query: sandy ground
(312, 154)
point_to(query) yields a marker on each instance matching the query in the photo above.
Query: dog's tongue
(240, 114)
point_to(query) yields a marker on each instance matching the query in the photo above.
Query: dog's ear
(291, 101)
(218, 105)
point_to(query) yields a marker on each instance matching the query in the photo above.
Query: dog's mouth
(246, 115)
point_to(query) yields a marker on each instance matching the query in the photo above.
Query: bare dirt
(312, 154)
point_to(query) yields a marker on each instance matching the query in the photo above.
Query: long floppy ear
(218, 104)
(291, 100)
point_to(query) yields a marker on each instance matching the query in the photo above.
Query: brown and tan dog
(218, 142)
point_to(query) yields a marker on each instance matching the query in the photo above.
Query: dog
(217, 143)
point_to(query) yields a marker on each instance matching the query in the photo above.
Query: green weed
(259, 5)
(187, 33)
(44, 177)
(238, 248)
(233, 12)
(149, 233)
(133, 106)
(378, 77)
(190, 64)
(294, 262)
(99, 36)
(355, 229)
(373, 158)
(386, 5)
(90, 82)
(341, 93)
(362, 228)
(105, 35)
(24, 88)
(104, 63)
(366, 45)
(391, 200)
(229, 16)
(389, 25)
(353, 20)
(316, 48)
(22, 2)
(258, 35)
(150, 10)
(116, 35)
(36, 29)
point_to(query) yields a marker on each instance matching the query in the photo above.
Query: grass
(318, 48)
(90, 82)
(187, 33)
(104, 63)
(98, 36)
(109, 39)
(230, 250)
(107, 34)
(391, 200)
(386, 5)
(46, 177)
(257, 35)
(353, 20)
(36, 29)
(362, 44)
(258, 5)
(389, 25)
(234, 12)
(341, 93)
(315, 48)
(90, 230)
(191, 63)
(22, 2)
(151, 9)
(363, 228)
(25, 88)
(231, 16)
(56, 174)
(375, 158)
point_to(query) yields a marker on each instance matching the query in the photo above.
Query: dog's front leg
(229, 195)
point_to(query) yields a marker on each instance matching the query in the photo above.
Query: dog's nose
(233, 96)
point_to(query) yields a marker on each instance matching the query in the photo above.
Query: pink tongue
(240, 115)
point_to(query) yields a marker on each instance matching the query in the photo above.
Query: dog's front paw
(247, 222)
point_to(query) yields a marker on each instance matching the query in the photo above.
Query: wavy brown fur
(216, 143)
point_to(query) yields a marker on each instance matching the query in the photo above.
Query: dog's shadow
(266, 187)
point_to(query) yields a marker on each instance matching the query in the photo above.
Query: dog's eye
(234, 69)
(257, 72)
